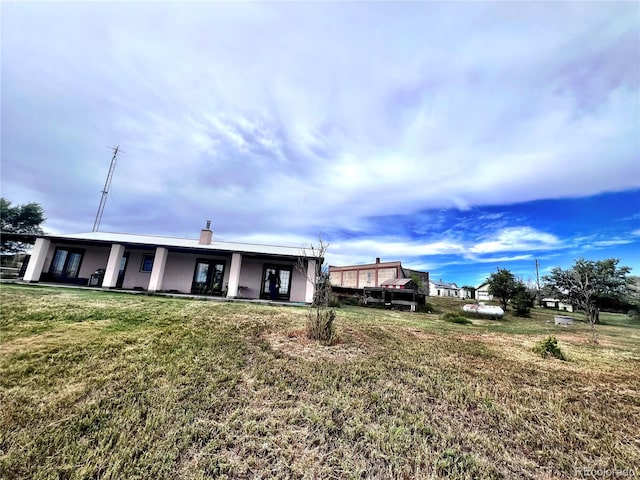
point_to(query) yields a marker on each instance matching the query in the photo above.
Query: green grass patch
(105, 385)
(455, 317)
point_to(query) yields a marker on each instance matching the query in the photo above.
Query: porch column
(234, 275)
(157, 272)
(113, 266)
(311, 277)
(36, 262)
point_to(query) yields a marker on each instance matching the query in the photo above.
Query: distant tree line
(588, 285)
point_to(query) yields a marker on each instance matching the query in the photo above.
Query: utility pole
(538, 282)
(105, 190)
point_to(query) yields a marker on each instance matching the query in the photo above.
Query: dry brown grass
(116, 386)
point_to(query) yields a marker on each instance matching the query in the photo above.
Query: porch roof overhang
(19, 237)
(183, 245)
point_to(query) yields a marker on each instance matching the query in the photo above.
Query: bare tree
(320, 317)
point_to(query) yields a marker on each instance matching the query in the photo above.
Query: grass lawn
(106, 385)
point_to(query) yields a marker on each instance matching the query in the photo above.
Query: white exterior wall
(133, 277)
(47, 262)
(113, 266)
(178, 272)
(444, 291)
(93, 259)
(298, 286)
(482, 293)
(464, 293)
(38, 259)
(157, 272)
(250, 277)
(233, 282)
(310, 284)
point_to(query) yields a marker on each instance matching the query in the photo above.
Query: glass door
(283, 273)
(123, 268)
(207, 278)
(66, 264)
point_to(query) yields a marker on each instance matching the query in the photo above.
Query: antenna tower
(105, 190)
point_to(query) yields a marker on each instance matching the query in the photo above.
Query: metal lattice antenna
(105, 190)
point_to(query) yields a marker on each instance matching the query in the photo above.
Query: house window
(66, 263)
(147, 263)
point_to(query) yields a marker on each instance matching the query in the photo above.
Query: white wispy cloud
(516, 239)
(281, 120)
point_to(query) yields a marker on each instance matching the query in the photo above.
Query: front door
(66, 264)
(207, 278)
(284, 274)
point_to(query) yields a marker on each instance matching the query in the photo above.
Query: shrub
(320, 325)
(427, 308)
(549, 348)
(523, 301)
(334, 300)
(454, 317)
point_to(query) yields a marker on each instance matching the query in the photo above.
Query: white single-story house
(558, 304)
(175, 265)
(482, 292)
(443, 289)
(467, 293)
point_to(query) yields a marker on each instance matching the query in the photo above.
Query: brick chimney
(377, 259)
(206, 235)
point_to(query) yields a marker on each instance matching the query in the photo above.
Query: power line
(105, 190)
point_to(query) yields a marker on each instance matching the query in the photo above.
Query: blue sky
(456, 137)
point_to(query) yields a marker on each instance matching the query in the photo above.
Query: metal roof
(186, 243)
(397, 281)
(444, 284)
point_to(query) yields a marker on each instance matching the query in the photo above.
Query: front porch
(199, 272)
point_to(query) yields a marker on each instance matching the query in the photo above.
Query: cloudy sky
(456, 137)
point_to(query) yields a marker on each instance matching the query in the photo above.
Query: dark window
(147, 263)
(66, 263)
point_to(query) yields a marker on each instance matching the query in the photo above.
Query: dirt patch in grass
(348, 347)
(577, 339)
(423, 335)
(489, 338)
